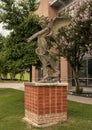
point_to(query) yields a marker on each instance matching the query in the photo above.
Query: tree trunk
(21, 75)
(0, 76)
(77, 82)
(30, 73)
(12, 75)
(4, 76)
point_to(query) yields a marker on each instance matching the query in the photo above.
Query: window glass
(83, 70)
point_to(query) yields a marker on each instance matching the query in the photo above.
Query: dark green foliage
(19, 18)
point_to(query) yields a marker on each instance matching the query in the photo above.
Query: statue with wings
(47, 51)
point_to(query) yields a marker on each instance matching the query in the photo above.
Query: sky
(3, 31)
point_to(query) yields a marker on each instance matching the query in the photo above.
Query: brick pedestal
(45, 103)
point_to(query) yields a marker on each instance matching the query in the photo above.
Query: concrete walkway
(80, 99)
(20, 86)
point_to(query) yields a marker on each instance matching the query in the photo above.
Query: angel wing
(59, 22)
(50, 25)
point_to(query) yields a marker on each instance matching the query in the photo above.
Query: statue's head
(44, 21)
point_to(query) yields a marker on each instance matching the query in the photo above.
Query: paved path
(80, 99)
(20, 86)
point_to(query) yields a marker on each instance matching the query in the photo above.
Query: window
(86, 72)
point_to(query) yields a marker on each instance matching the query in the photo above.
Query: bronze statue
(47, 55)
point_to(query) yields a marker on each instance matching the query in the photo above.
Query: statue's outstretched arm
(37, 34)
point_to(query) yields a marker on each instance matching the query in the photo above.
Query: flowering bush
(75, 39)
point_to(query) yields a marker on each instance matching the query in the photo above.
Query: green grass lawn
(26, 76)
(17, 78)
(12, 112)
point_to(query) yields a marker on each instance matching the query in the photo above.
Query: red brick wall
(45, 100)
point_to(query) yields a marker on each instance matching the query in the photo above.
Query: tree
(14, 12)
(1, 38)
(3, 68)
(20, 56)
(18, 17)
(1, 42)
(75, 39)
